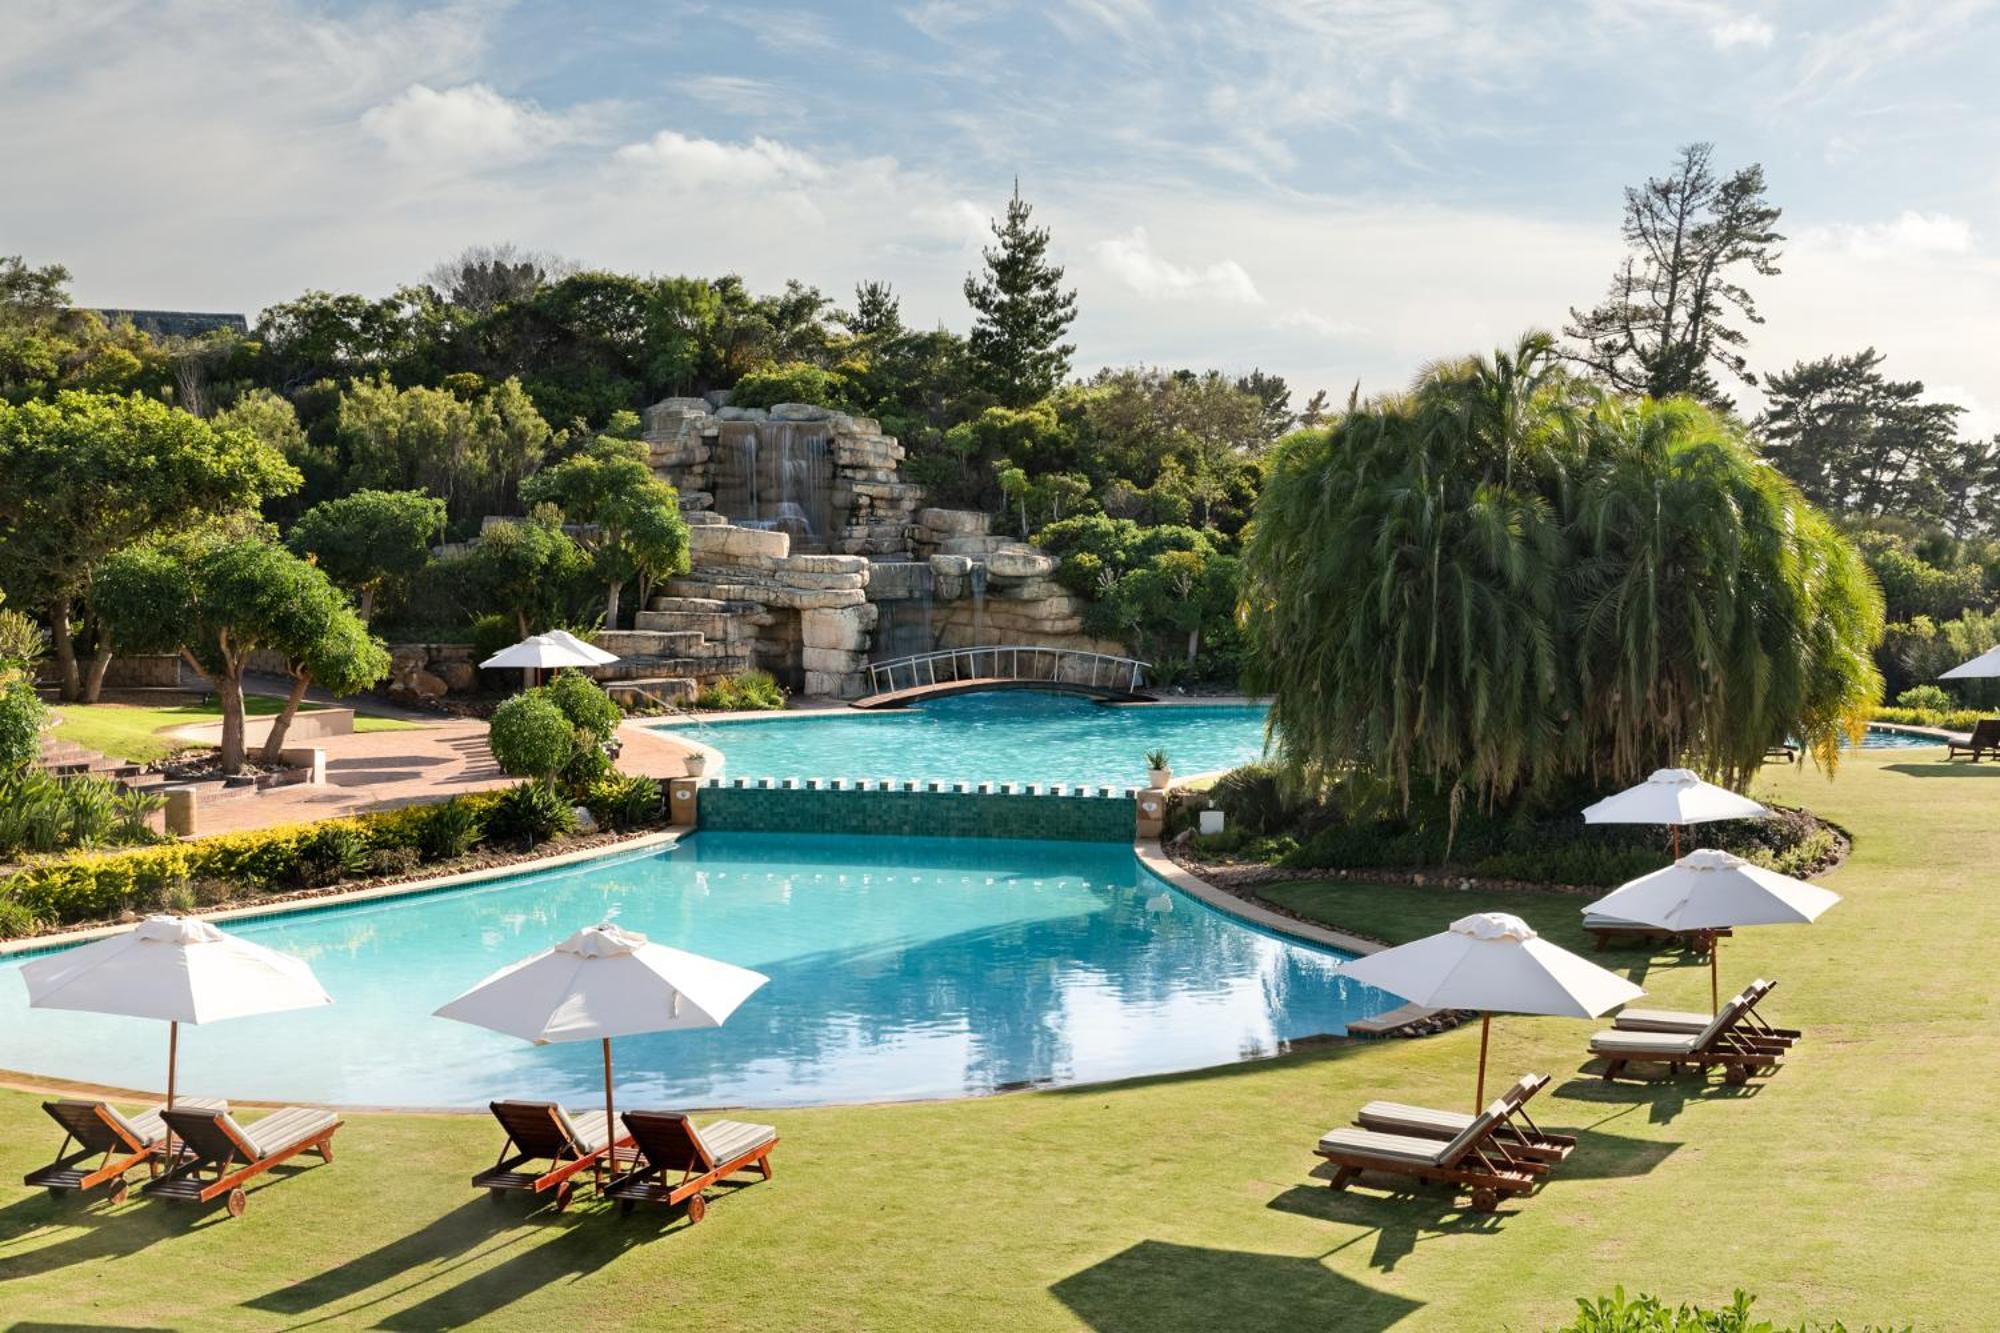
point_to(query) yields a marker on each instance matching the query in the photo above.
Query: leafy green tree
(792, 382)
(473, 454)
(1670, 318)
(370, 540)
(530, 737)
(48, 345)
(1021, 312)
(85, 474)
(1860, 443)
(218, 602)
(22, 717)
(1503, 582)
(628, 519)
(482, 278)
(528, 570)
(1274, 403)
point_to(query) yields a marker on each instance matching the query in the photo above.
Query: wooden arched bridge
(908, 680)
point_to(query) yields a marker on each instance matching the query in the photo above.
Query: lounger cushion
(1641, 1043)
(591, 1130)
(1662, 1020)
(284, 1129)
(1420, 1121)
(149, 1128)
(729, 1139)
(1398, 1148)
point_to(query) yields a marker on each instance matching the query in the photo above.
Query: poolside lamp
(177, 969)
(1673, 796)
(1712, 890)
(600, 983)
(1495, 963)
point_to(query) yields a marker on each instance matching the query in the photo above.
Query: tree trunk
(231, 691)
(367, 603)
(71, 682)
(282, 723)
(611, 606)
(1194, 643)
(93, 684)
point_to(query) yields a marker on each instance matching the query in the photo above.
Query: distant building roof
(176, 323)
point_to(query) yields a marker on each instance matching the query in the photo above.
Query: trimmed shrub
(16, 920)
(584, 702)
(531, 813)
(530, 737)
(332, 852)
(22, 714)
(1252, 799)
(587, 766)
(390, 861)
(448, 831)
(747, 691)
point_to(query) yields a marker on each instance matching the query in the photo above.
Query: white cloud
(1132, 260)
(1741, 30)
(1909, 235)
(690, 162)
(1323, 326)
(471, 125)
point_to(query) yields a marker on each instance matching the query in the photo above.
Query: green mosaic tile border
(917, 809)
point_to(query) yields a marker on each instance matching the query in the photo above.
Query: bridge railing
(1008, 662)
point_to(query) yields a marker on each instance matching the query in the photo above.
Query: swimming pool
(1004, 736)
(1886, 738)
(899, 968)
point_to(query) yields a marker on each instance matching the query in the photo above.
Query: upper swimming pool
(899, 968)
(1005, 736)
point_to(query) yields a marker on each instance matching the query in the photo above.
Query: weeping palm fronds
(1503, 580)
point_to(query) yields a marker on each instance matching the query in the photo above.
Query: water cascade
(904, 599)
(776, 475)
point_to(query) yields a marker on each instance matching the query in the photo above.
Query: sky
(1339, 191)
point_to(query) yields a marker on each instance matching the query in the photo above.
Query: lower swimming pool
(899, 968)
(1003, 736)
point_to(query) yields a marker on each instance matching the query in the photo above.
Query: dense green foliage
(370, 540)
(746, 692)
(1021, 312)
(630, 520)
(532, 813)
(530, 737)
(1504, 580)
(22, 716)
(1648, 1314)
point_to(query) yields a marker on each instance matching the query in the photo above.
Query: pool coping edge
(1154, 858)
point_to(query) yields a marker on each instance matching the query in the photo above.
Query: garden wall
(910, 809)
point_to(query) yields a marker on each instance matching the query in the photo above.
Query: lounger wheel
(237, 1202)
(495, 1193)
(564, 1193)
(1736, 1075)
(1485, 1201)
(119, 1191)
(626, 1206)
(697, 1209)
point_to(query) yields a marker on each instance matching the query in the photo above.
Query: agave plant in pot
(1158, 773)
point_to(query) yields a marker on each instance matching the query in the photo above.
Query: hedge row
(208, 872)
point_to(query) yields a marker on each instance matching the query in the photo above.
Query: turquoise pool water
(899, 968)
(1881, 738)
(1004, 736)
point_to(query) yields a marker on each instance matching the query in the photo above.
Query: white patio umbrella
(1673, 796)
(1980, 667)
(600, 983)
(1710, 890)
(544, 652)
(177, 969)
(1494, 963)
(597, 656)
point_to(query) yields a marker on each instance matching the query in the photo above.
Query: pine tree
(1016, 344)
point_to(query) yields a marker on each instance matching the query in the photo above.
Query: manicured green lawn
(131, 731)
(1856, 1183)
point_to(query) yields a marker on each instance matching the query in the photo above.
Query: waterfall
(776, 474)
(904, 625)
(976, 582)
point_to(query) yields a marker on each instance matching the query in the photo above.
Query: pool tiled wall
(918, 809)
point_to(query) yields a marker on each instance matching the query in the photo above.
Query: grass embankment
(1853, 1184)
(132, 732)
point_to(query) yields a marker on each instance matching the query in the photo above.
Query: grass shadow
(1664, 1098)
(1941, 769)
(451, 1236)
(1399, 1213)
(1159, 1287)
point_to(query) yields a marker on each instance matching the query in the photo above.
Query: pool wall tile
(909, 812)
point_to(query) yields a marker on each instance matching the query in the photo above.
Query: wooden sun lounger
(1536, 1148)
(214, 1140)
(1686, 1021)
(1984, 740)
(1605, 930)
(1725, 1042)
(120, 1143)
(679, 1161)
(545, 1133)
(1473, 1160)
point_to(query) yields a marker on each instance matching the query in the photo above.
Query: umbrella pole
(1485, 1029)
(610, 1125)
(173, 1058)
(1714, 989)
(1677, 841)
